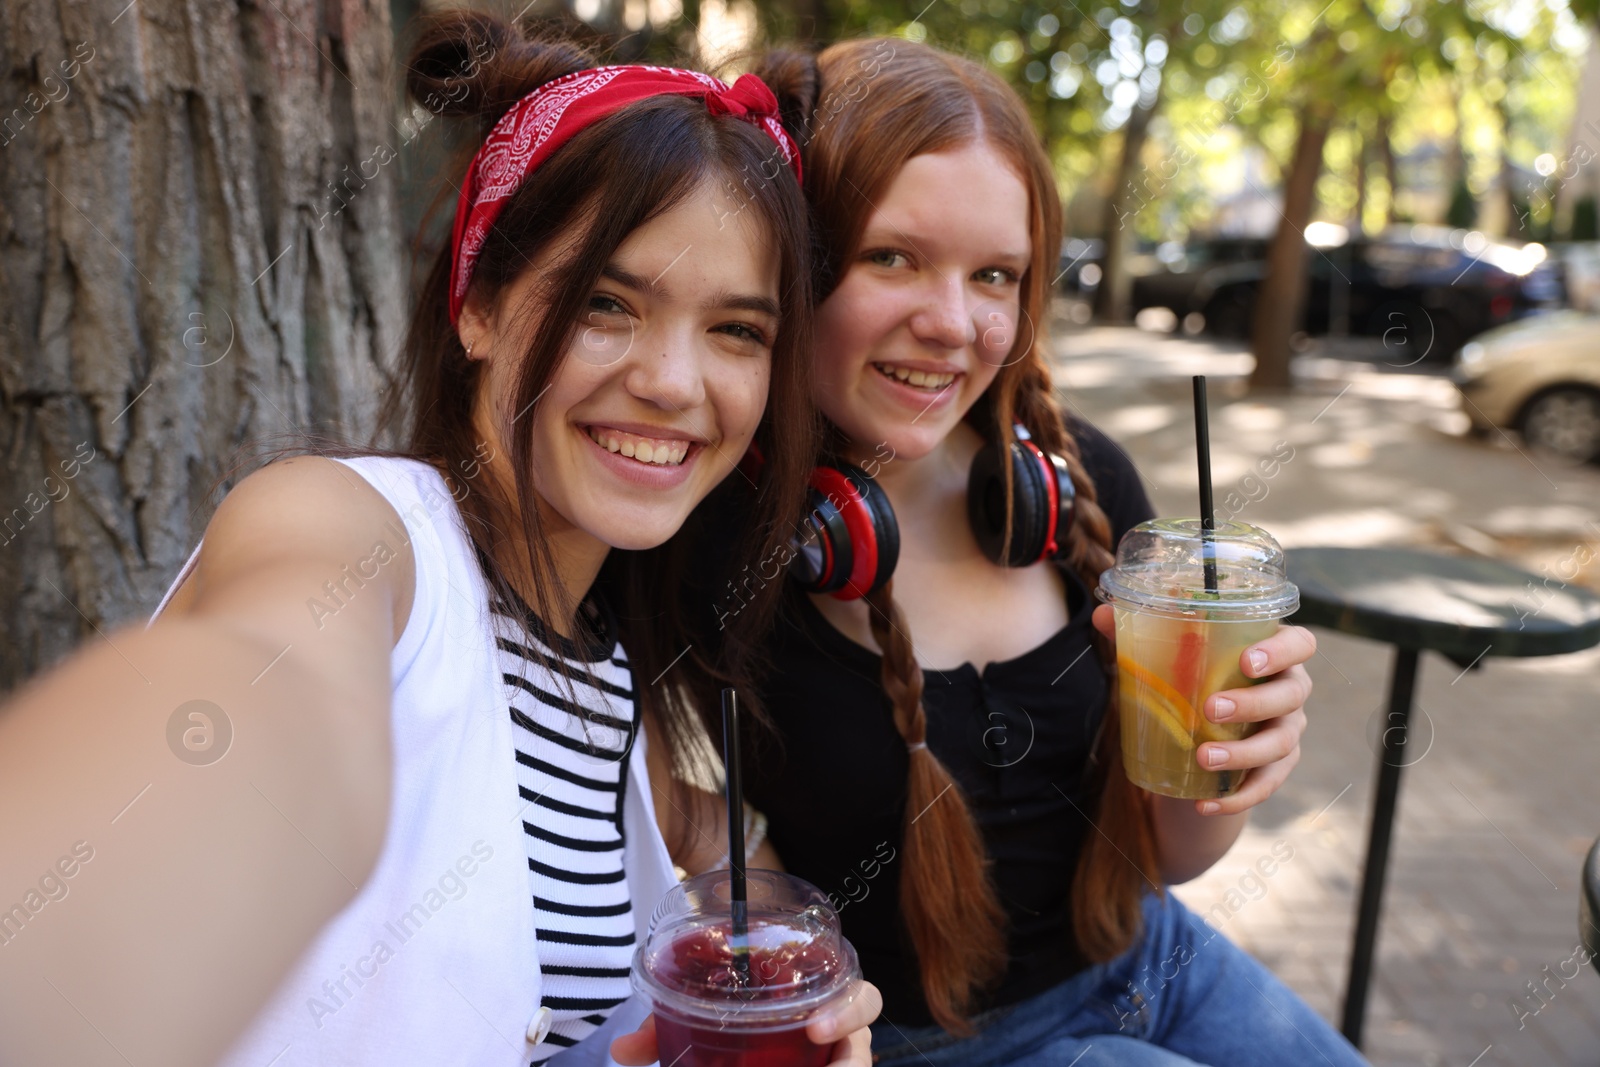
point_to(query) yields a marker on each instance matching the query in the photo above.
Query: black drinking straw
(739, 941)
(1208, 510)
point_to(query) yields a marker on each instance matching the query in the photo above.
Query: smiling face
(926, 311)
(662, 386)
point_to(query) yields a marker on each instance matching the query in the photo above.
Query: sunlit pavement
(1497, 813)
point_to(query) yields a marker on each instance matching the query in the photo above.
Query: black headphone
(849, 540)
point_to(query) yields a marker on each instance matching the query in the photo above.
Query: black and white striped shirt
(573, 735)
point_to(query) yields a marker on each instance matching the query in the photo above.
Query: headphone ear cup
(986, 505)
(853, 540)
(885, 527)
(1030, 516)
(986, 501)
(1066, 501)
(823, 557)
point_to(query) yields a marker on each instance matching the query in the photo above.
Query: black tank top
(1016, 737)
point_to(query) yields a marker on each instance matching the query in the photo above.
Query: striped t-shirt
(573, 736)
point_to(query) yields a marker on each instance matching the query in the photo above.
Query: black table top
(1461, 607)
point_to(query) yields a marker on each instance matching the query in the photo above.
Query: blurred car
(1172, 277)
(1080, 266)
(1423, 290)
(1540, 377)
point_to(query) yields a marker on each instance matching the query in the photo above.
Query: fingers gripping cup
(715, 1011)
(1180, 634)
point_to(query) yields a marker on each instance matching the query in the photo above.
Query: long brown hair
(897, 99)
(613, 177)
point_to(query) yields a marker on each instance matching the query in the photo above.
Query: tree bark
(1114, 296)
(1358, 225)
(200, 249)
(1282, 291)
(1390, 169)
(1517, 221)
(1456, 160)
(812, 22)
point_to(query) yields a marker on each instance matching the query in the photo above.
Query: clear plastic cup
(1179, 641)
(710, 1013)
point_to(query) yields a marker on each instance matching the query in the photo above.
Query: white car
(1539, 376)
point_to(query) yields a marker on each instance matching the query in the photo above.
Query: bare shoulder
(304, 520)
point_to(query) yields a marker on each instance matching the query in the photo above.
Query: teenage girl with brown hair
(369, 789)
(943, 761)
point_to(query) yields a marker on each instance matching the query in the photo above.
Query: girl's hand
(844, 1027)
(1277, 702)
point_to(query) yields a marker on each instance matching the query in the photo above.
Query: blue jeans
(1182, 995)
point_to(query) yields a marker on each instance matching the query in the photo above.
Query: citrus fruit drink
(1166, 668)
(1188, 603)
(718, 1007)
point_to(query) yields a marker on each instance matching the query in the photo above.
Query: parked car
(1079, 269)
(1540, 377)
(1423, 290)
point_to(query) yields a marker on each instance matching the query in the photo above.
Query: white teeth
(665, 454)
(916, 378)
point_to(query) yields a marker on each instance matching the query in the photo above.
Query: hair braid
(906, 99)
(1120, 857)
(939, 895)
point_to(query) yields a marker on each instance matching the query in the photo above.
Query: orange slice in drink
(1164, 704)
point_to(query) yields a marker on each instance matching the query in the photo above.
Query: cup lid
(799, 959)
(1161, 568)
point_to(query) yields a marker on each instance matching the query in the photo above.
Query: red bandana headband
(551, 115)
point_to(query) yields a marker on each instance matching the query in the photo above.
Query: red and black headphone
(850, 542)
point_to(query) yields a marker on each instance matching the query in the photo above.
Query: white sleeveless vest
(435, 961)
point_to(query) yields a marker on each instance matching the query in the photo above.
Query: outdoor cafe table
(1462, 608)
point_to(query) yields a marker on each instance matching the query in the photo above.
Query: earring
(469, 348)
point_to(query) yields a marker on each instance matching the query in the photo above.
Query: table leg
(1391, 757)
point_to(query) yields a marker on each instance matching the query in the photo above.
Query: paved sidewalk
(1496, 817)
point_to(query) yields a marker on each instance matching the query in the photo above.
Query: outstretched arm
(163, 862)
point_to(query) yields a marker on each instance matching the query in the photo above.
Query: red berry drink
(715, 1009)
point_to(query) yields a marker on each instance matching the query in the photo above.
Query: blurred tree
(1220, 63)
(1391, 172)
(1585, 221)
(1361, 163)
(1463, 210)
(1282, 292)
(199, 247)
(1187, 85)
(1323, 71)
(1367, 55)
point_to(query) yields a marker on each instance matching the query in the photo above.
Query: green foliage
(1227, 80)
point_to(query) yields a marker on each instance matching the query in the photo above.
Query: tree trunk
(1114, 297)
(1390, 170)
(200, 249)
(1517, 221)
(1358, 226)
(1456, 160)
(812, 22)
(1283, 289)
